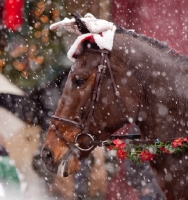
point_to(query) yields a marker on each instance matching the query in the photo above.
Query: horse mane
(154, 42)
(172, 98)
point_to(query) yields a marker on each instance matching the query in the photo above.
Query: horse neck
(164, 84)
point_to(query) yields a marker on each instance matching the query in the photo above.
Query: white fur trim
(104, 42)
(94, 25)
(73, 48)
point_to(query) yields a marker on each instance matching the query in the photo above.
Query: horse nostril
(65, 174)
(47, 155)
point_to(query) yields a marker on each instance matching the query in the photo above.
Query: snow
(2, 191)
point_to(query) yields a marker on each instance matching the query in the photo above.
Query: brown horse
(145, 82)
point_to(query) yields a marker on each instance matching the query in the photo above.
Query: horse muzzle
(48, 158)
(68, 164)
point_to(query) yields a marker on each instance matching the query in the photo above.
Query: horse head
(120, 77)
(91, 107)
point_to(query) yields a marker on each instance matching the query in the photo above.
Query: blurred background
(34, 68)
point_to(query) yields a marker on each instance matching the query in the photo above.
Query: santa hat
(88, 28)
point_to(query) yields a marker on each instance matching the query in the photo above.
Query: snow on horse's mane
(101, 32)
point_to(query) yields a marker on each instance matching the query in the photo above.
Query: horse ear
(80, 24)
(76, 14)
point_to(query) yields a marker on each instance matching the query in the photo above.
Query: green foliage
(145, 152)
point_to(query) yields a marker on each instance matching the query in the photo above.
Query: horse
(138, 80)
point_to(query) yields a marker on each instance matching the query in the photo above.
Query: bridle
(83, 125)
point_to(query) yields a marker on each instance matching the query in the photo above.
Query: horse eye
(78, 82)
